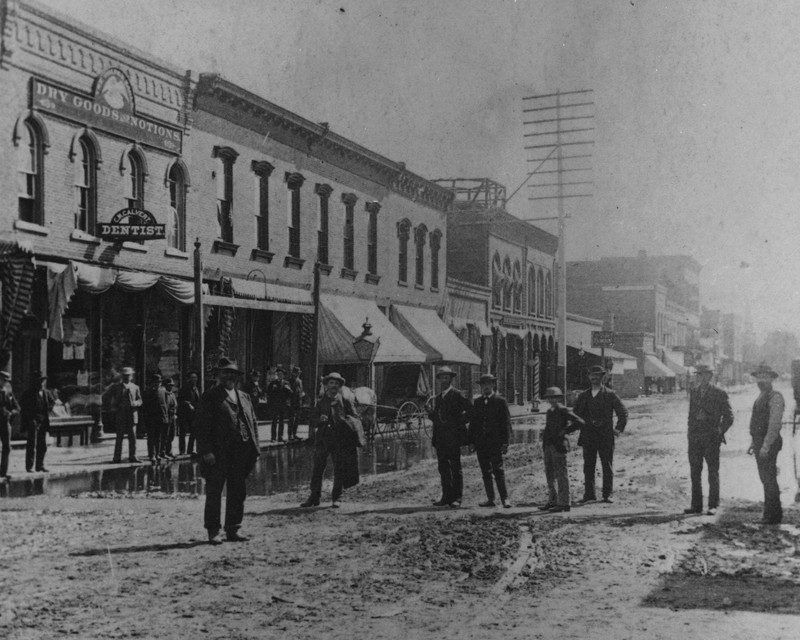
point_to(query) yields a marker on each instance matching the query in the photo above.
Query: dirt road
(388, 565)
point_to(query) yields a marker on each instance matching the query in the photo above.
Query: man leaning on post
(710, 416)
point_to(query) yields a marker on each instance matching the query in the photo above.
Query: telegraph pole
(560, 126)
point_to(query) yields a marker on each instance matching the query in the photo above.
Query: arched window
(134, 193)
(436, 242)
(176, 225)
(419, 239)
(85, 167)
(508, 285)
(517, 287)
(548, 294)
(540, 291)
(531, 291)
(30, 172)
(226, 157)
(497, 282)
(403, 234)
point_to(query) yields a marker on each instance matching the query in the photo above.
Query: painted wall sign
(132, 224)
(111, 108)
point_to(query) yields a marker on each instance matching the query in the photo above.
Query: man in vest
(597, 407)
(710, 416)
(765, 430)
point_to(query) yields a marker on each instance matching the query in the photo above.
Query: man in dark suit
(766, 443)
(450, 414)
(151, 416)
(9, 407)
(489, 433)
(225, 427)
(188, 399)
(36, 403)
(596, 407)
(279, 393)
(710, 416)
(125, 401)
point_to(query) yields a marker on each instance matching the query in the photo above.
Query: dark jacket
(709, 415)
(9, 407)
(279, 392)
(35, 409)
(188, 399)
(450, 414)
(215, 424)
(600, 424)
(558, 423)
(125, 404)
(152, 406)
(490, 422)
(335, 422)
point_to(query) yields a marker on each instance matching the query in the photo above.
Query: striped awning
(17, 270)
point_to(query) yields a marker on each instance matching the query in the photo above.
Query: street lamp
(366, 348)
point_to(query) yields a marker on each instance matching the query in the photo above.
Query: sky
(696, 137)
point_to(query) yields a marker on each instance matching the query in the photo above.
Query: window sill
(224, 248)
(435, 289)
(30, 227)
(348, 274)
(261, 255)
(402, 283)
(79, 235)
(325, 268)
(419, 287)
(293, 263)
(135, 246)
(372, 278)
(172, 252)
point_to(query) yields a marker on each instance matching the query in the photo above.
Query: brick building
(514, 262)
(107, 139)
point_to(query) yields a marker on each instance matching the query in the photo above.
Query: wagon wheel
(425, 426)
(407, 417)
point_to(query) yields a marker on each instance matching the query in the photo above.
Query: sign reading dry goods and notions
(132, 224)
(111, 108)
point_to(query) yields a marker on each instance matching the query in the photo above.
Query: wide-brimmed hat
(703, 368)
(445, 371)
(334, 376)
(38, 376)
(167, 381)
(488, 377)
(279, 367)
(254, 372)
(127, 371)
(224, 364)
(156, 377)
(552, 392)
(296, 369)
(596, 368)
(764, 371)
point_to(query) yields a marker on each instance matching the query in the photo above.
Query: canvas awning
(426, 331)
(255, 294)
(622, 361)
(17, 271)
(674, 364)
(462, 323)
(341, 322)
(654, 368)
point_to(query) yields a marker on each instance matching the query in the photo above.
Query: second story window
(293, 182)
(372, 237)
(226, 157)
(419, 240)
(85, 165)
(517, 287)
(324, 192)
(30, 179)
(262, 171)
(176, 225)
(135, 185)
(436, 243)
(531, 291)
(540, 288)
(548, 294)
(497, 282)
(349, 200)
(403, 234)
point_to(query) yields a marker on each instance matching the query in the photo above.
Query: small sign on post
(602, 338)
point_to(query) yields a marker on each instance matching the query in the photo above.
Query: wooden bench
(69, 426)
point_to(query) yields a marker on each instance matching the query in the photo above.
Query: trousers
(452, 478)
(229, 472)
(323, 448)
(36, 446)
(278, 419)
(602, 444)
(704, 448)
(555, 470)
(5, 445)
(490, 461)
(768, 474)
(125, 429)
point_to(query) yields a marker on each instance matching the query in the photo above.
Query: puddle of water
(279, 469)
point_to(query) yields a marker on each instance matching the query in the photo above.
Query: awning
(654, 368)
(17, 271)
(504, 331)
(674, 364)
(622, 361)
(341, 322)
(459, 324)
(64, 280)
(426, 331)
(254, 294)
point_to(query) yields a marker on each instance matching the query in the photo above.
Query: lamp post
(366, 347)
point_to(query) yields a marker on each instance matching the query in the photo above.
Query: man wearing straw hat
(450, 414)
(225, 428)
(765, 431)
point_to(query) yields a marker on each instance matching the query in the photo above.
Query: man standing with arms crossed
(765, 430)
(710, 416)
(597, 407)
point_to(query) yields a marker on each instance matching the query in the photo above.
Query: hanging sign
(132, 224)
(602, 339)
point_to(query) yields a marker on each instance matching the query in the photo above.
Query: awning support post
(200, 341)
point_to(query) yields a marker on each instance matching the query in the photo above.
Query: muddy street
(388, 565)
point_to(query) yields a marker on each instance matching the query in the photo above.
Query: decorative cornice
(294, 180)
(372, 207)
(262, 168)
(349, 199)
(226, 153)
(323, 190)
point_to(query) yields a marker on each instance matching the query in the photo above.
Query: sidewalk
(66, 460)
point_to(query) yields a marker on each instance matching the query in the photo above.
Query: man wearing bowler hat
(489, 433)
(279, 393)
(450, 414)
(710, 416)
(36, 402)
(765, 431)
(9, 407)
(596, 407)
(125, 402)
(225, 428)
